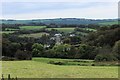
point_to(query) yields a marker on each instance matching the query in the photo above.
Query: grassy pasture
(110, 23)
(35, 35)
(31, 27)
(39, 68)
(66, 30)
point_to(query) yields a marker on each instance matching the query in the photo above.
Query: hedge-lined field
(39, 68)
(31, 27)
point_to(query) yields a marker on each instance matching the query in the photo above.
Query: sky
(49, 10)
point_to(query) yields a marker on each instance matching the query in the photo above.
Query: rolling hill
(77, 21)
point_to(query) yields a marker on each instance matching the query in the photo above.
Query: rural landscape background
(60, 40)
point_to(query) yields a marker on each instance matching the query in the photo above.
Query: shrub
(105, 57)
(93, 65)
(51, 62)
(57, 63)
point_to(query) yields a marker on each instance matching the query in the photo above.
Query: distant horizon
(61, 18)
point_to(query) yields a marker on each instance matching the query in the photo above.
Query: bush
(93, 65)
(57, 63)
(105, 57)
(51, 62)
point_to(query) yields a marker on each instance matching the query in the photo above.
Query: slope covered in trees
(99, 45)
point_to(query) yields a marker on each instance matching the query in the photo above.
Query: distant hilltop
(60, 21)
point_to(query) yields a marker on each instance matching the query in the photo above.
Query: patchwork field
(31, 27)
(39, 68)
(65, 30)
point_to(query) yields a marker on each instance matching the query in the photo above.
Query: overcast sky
(46, 10)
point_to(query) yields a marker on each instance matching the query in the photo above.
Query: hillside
(76, 21)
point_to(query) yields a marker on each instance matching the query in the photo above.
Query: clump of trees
(19, 51)
(65, 51)
(106, 36)
(116, 50)
(37, 50)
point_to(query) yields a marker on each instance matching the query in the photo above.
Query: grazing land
(40, 68)
(66, 30)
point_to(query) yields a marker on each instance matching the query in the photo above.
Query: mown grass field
(31, 27)
(35, 35)
(39, 68)
(66, 30)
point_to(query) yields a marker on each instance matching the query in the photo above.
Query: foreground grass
(39, 68)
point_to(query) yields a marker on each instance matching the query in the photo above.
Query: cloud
(60, 10)
(60, 0)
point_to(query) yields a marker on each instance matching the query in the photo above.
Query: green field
(11, 29)
(35, 35)
(7, 32)
(31, 27)
(110, 23)
(66, 30)
(39, 68)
